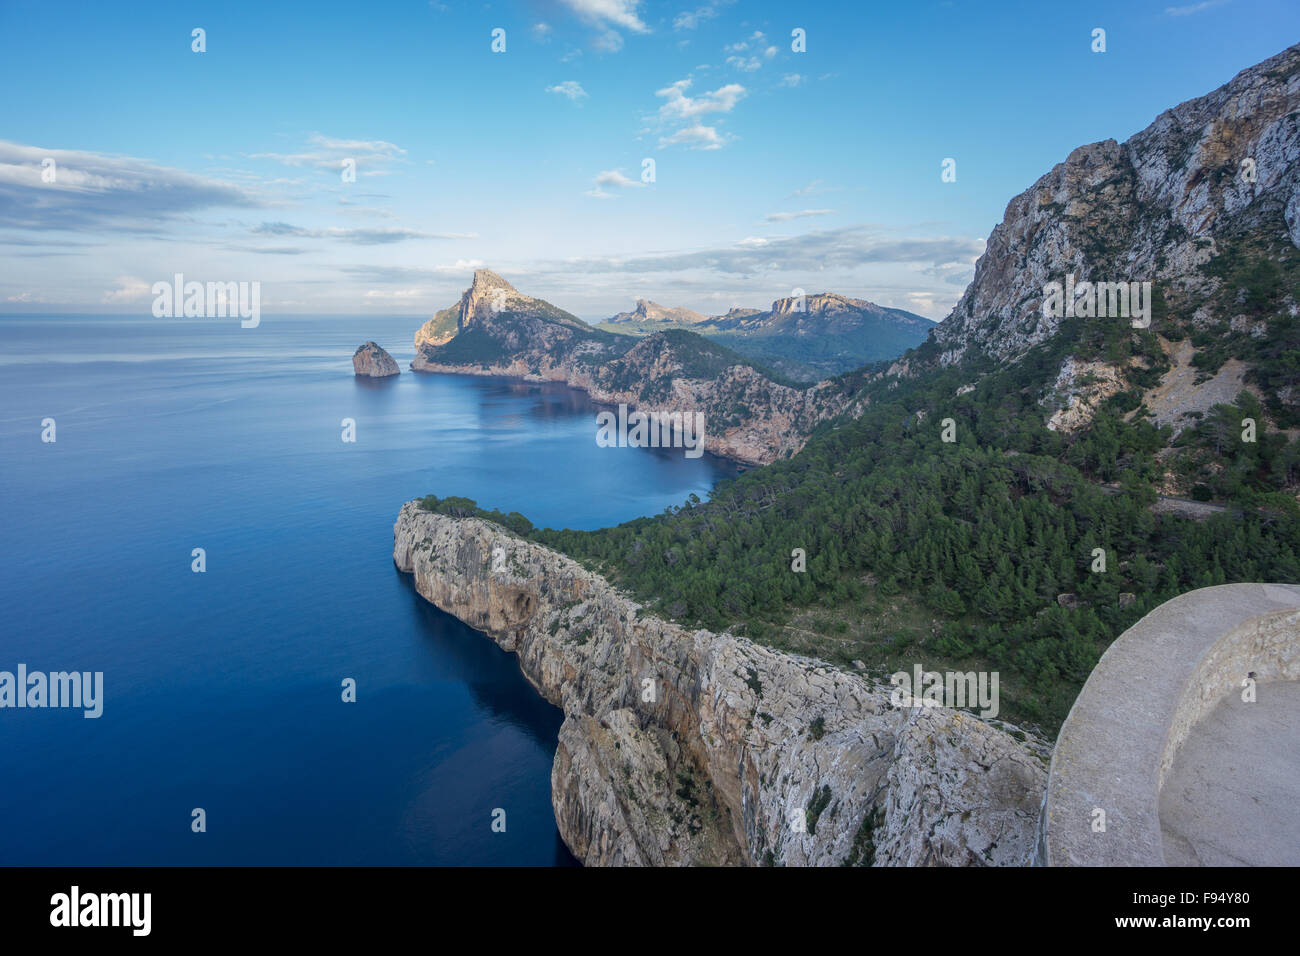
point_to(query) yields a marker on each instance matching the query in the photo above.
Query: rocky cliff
(689, 747)
(1204, 204)
(750, 417)
(373, 362)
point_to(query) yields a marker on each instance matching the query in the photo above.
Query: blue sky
(774, 169)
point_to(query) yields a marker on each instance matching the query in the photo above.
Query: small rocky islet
(371, 361)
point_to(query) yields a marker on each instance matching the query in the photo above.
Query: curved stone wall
(1142, 700)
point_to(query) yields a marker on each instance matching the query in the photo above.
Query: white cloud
(850, 247)
(801, 214)
(607, 13)
(816, 186)
(396, 294)
(95, 190)
(696, 137)
(613, 179)
(570, 88)
(792, 80)
(679, 106)
(364, 237)
(1193, 8)
(755, 39)
(611, 41)
(541, 32)
(462, 265)
(608, 17)
(690, 19)
(129, 289)
(678, 116)
(371, 156)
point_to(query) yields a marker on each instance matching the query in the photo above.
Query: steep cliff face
(1204, 204)
(495, 330)
(1149, 209)
(688, 747)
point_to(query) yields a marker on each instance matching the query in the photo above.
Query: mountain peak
(1209, 187)
(487, 282)
(820, 302)
(487, 299)
(648, 311)
(488, 293)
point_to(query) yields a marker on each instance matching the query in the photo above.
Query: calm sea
(222, 689)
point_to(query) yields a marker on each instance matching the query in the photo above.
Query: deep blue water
(222, 690)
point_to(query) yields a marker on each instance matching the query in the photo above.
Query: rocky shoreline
(791, 414)
(684, 747)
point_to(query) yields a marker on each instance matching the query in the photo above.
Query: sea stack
(373, 362)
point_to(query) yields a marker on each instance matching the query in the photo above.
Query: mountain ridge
(807, 337)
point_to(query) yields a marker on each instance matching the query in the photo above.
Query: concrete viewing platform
(1162, 763)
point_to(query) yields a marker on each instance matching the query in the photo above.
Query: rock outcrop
(689, 747)
(373, 362)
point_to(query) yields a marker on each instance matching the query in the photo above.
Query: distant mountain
(752, 414)
(652, 317)
(806, 338)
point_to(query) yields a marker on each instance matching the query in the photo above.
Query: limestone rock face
(1156, 208)
(942, 776)
(684, 747)
(372, 361)
(1079, 390)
